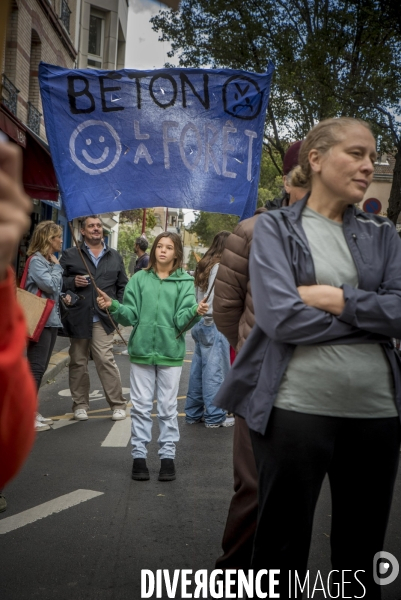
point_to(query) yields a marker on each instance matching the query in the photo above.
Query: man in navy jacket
(90, 329)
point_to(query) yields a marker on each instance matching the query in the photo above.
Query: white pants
(144, 379)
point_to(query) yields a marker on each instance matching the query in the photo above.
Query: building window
(65, 15)
(96, 40)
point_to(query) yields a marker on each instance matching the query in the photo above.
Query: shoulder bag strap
(25, 275)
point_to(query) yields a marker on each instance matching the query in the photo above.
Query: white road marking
(64, 393)
(63, 423)
(97, 394)
(45, 510)
(119, 434)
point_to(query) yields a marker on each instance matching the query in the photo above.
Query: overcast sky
(143, 50)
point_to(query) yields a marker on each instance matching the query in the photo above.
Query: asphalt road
(93, 544)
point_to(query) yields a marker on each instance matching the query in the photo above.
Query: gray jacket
(47, 277)
(281, 261)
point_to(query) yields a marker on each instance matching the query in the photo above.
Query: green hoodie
(158, 309)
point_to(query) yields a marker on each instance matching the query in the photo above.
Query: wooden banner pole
(144, 221)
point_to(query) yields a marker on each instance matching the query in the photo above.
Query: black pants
(39, 353)
(242, 515)
(360, 457)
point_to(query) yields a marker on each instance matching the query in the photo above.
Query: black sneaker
(140, 471)
(167, 470)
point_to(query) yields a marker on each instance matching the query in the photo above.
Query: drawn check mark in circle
(101, 132)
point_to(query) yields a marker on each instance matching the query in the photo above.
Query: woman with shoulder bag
(44, 275)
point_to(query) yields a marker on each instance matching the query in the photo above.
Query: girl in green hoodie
(159, 302)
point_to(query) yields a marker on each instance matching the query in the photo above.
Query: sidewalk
(61, 358)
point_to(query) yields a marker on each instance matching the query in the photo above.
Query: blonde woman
(318, 379)
(44, 274)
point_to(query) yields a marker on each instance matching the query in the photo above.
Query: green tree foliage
(270, 183)
(135, 217)
(131, 228)
(206, 225)
(332, 58)
(192, 262)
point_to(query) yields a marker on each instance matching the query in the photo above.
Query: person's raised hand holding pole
(104, 301)
(203, 307)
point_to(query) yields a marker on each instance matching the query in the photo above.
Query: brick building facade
(61, 32)
(35, 33)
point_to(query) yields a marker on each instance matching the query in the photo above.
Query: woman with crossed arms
(318, 380)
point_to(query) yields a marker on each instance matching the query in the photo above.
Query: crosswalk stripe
(69, 416)
(46, 509)
(119, 435)
(62, 423)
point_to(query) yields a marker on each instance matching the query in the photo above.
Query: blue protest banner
(189, 138)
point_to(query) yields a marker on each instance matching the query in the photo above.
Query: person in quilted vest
(234, 317)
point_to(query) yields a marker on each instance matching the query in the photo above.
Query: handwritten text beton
(240, 94)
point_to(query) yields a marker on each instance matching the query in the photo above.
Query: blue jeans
(210, 364)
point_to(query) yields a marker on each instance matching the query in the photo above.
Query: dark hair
(212, 257)
(177, 247)
(291, 157)
(142, 243)
(83, 222)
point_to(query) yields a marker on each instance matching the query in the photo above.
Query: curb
(61, 359)
(57, 363)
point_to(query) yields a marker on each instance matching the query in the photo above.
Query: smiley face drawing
(98, 146)
(242, 97)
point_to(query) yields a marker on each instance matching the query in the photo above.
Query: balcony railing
(65, 15)
(34, 118)
(9, 95)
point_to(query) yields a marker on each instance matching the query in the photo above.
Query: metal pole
(144, 221)
(165, 229)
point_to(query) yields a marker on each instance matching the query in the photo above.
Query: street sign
(372, 205)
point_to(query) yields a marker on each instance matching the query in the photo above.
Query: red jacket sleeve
(18, 396)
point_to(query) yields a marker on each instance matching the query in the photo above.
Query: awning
(108, 220)
(38, 174)
(12, 127)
